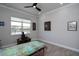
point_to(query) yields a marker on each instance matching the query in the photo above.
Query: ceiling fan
(34, 6)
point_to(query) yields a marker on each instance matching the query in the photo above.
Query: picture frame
(72, 26)
(1, 23)
(33, 26)
(47, 26)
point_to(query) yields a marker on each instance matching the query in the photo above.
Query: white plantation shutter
(18, 25)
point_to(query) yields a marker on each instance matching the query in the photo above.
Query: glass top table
(23, 49)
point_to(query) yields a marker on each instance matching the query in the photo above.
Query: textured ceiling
(44, 6)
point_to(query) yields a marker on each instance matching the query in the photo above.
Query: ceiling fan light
(34, 6)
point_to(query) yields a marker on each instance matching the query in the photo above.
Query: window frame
(21, 25)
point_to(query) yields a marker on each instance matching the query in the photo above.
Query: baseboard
(13, 44)
(60, 45)
(9, 45)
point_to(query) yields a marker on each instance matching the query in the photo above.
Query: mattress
(25, 49)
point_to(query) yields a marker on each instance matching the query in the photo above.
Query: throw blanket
(22, 49)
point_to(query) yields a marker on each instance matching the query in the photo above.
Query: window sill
(19, 34)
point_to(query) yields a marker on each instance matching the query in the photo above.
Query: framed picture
(72, 26)
(1, 23)
(34, 26)
(47, 26)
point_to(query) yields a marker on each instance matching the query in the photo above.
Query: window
(19, 25)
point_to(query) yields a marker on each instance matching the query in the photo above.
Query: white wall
(59, 19)
(58, 33)
(5, 32)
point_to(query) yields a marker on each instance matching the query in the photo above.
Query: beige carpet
(53, 50)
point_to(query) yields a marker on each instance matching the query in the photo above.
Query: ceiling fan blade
(38, 9)
(34, 4)
(27, 6)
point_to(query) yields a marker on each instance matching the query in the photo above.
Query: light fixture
(34, 6)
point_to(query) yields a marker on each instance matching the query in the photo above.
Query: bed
(33, 48)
